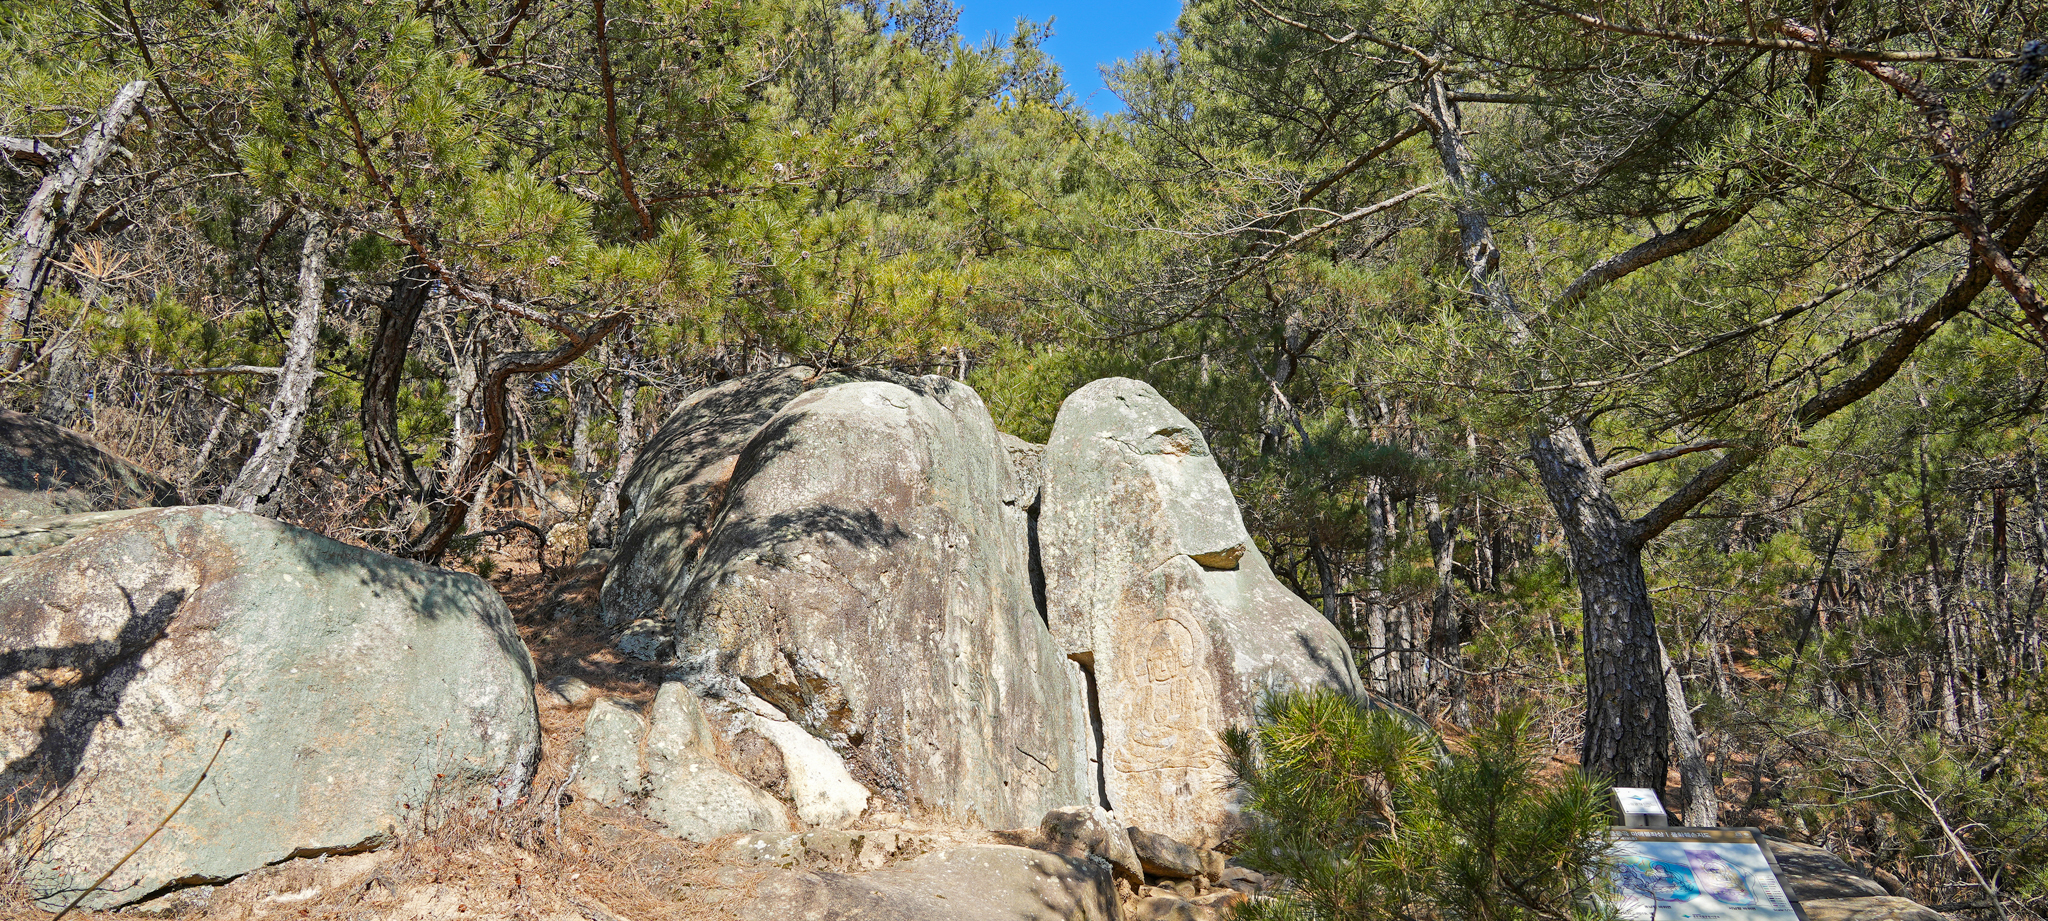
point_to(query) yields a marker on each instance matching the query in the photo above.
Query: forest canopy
(1676, 366)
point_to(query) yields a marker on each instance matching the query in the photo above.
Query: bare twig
(89, 890)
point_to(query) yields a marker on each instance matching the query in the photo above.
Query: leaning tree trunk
(1628, 728)
(603, 529)
(1446, 631)
(1696, 780)
(255, 488)
(1377, 540)
(47, 216)
(582, 406)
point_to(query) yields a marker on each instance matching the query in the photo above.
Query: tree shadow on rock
(86, 682)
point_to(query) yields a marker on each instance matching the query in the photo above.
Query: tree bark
(2028, 654)
(463, 353)
(1446, 633)
(384, 373)
(604, 519)
(1378, 662)
(1628, 728)
(47, 216)
(206, 448)
(1696, 780)
(255, 488)
(582, 406)
(1628, 714)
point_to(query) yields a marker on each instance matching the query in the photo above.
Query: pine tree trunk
(462, 405)
(1446, 634)
(473, 470)
(255, 488)
(1377, 659)
(2029, 652)
(1628, 714)
(207, 447)
(2001, 588)
(582, 406)
(1628, 720)
(604, 520)
(1326, 579)
(43, 221)
(384, 373)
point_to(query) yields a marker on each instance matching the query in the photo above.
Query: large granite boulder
(1153, 583)
(46, 470)
(869, 577)
(365, 695)
(677, 485)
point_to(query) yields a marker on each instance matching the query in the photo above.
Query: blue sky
(1086, 35)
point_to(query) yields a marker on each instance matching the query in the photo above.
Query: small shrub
(1355, 806)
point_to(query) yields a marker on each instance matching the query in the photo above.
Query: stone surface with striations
(47, 470)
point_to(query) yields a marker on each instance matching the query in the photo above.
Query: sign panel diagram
(1696, 874)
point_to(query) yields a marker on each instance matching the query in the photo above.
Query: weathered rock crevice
(1086, 660)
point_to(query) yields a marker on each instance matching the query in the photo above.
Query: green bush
(1368, 820)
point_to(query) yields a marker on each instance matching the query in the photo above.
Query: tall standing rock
(366, 695)
(1153, 583)
(869, 577)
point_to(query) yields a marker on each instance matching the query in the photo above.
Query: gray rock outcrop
(365, 695)
(1869, 908)
(1829, 888)
(667, 768)
(868, 576)
(1812, 873)
(863, 560)
(1092, 830)
(823, 791)
(47, 470)
(978, 883)
(1153, 582)
(1164, 856)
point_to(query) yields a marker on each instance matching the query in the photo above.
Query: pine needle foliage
(1370, 820)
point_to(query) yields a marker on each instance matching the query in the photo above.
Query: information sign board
(1640, 808)
(1696, 874)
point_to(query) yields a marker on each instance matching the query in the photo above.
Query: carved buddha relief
(1166, 706)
